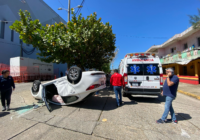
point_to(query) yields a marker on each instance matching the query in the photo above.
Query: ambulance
(142, 73)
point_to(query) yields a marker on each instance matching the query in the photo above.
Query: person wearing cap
(169, 91)
(6, 87)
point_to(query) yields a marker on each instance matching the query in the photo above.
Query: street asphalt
(98, 118)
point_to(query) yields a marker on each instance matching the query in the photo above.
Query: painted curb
(189, 94)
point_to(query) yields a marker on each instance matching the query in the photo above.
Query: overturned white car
(70, 89)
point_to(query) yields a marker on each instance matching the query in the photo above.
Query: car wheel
(74, 74)
(36, 85)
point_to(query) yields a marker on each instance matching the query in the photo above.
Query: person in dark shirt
(6, 87)
(169, 91)
(61, 74)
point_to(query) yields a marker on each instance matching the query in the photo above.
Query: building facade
(9, 40)
(182, 53)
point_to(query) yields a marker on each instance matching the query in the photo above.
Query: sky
(138, 24)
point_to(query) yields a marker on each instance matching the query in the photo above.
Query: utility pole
(69, 10)
(114, 58)
(21, 51)
(68, 65)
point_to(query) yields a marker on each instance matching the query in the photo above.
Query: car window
(151, 69)
(135, 69)
(69, 99)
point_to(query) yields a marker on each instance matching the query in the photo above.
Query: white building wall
(9, 12)
(179, 44)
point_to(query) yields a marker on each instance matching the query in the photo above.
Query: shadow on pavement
(183, 116)
(22, 108)
(102, 102)
(147, 99)
(54, 107)
(2, 114)
(180, 117)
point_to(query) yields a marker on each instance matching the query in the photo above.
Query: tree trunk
(82, 68)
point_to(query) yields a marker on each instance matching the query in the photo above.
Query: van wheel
(74, 75)
(36, 85)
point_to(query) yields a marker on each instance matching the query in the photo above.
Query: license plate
(134, 84)
(102, 82)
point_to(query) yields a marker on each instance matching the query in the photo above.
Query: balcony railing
(179, 57)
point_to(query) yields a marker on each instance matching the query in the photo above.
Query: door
(199, 72)
(46, 100)
(135, 77)
(151, 77)
(184, 70)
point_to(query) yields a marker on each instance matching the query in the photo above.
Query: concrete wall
(191, 40)
(9, 12)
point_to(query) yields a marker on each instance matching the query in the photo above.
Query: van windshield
(143, 69)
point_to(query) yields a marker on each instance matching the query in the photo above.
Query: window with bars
(2, 29)
(172, 50)
(12, 35)
(198, 39)
(20, 41)
(185, 46)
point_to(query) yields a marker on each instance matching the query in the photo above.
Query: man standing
(61, 74)
(6, 87)
(116, 81)
(169, 91)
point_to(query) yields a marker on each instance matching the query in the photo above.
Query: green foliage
(87, 43)
(195, 20)
(106, 68)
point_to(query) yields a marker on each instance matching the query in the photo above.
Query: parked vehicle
(143, 74)
(73, 88)
(26, 69)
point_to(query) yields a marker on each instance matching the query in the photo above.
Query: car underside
(66, 91)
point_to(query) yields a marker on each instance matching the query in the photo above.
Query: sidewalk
(190, 90)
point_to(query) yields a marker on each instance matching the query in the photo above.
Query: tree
(87, 43)
(106, 68)
(195, 20)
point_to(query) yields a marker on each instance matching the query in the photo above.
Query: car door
(151, 77)
(46, 100)
(135, 77)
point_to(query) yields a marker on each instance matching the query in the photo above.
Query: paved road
(98, 118)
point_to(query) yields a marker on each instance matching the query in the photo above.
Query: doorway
(199, 71)
(184, 70)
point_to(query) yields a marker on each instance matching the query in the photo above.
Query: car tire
(74, 75)
(36, 85)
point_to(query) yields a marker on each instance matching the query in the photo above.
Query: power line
(61, 3)
(87, 9)
(145, 37)
(79, 10)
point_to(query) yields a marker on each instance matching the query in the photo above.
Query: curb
(189, 94)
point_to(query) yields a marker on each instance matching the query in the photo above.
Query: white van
(142, 73)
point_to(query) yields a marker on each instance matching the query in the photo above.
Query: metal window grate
(2, 29)
(12, 35)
